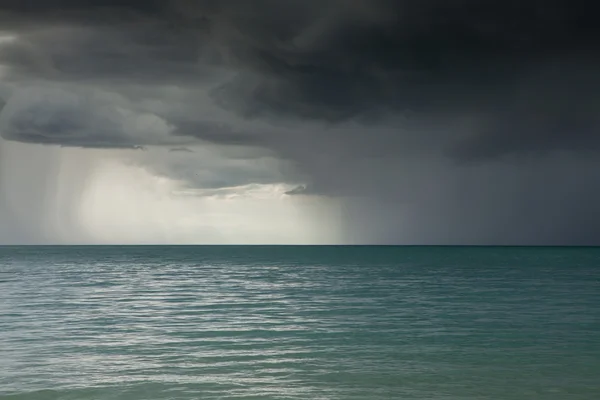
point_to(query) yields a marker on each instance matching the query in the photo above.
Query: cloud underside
(526, 72)
(389, 103)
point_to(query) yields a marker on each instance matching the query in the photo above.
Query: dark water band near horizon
(306, 322)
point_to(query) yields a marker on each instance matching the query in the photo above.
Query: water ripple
(298, 323)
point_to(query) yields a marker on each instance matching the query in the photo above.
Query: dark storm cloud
(337, 60)
(51, 115)
(218, 133)
(446, 109)
(539, 201)
(145, 53)
(25, 11)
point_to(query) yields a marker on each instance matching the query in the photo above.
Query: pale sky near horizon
(294, 121)
(83, 196)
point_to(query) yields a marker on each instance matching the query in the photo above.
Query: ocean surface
(255, 322)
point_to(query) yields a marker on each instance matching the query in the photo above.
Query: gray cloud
(144, 52)
(446, 116)
(333, 61)
(209, 168)
(50, 115)
(181, 150)
(219, 133)
(74, 116)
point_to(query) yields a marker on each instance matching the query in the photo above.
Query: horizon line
(287, 245)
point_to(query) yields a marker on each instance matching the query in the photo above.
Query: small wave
(35, 395)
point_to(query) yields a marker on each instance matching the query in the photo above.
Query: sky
(299, 122)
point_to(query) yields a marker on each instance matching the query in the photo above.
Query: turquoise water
(299, 323)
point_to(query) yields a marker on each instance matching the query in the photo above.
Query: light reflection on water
(299, 323)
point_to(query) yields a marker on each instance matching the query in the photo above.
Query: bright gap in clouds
(69, 195)
(128, 204)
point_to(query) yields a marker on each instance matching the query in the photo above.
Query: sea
(299, 322)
